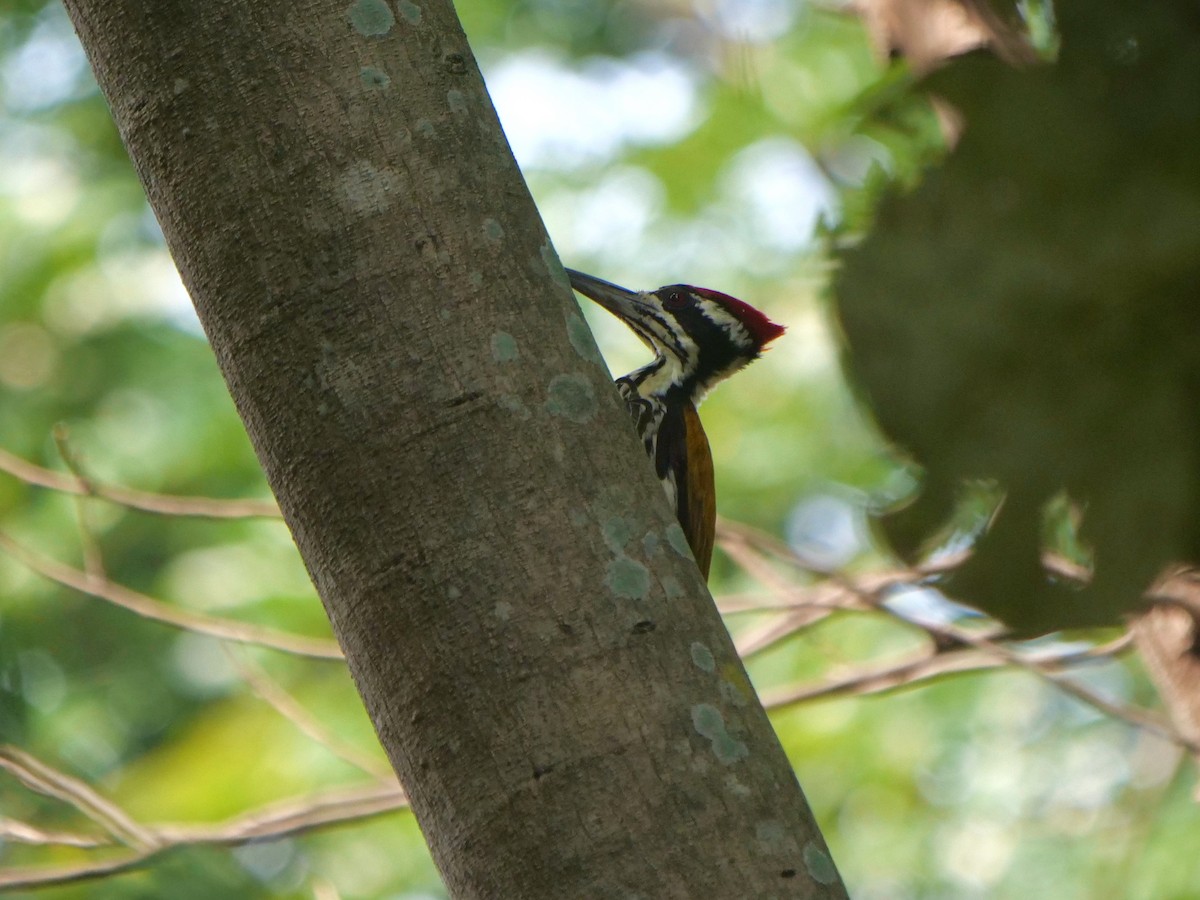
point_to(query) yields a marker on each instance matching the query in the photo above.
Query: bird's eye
(675, 299)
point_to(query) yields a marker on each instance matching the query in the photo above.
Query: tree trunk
(537, 651)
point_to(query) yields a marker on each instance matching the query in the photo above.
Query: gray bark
(536, 649)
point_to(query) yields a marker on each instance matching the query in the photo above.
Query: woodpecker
(699, 338)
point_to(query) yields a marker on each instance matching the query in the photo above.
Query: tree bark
(518, 609)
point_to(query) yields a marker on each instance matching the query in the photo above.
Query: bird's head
(699, 336)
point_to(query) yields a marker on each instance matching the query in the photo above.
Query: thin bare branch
(270, 822)
(769, 545)
(291, 709)
(742, 544)
(803, 607)
(156, 610)
(144, 501)
(93, 557)
(772, 632)
(23, 833)
(93, 560)
(986, 654)
(731, 531)
(294, 815)
(32, 877)
(1050, 669)
(754, 604)
(908, 672)
(43, 778)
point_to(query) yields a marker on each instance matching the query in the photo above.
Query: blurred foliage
(707, 142)
(1028, 315)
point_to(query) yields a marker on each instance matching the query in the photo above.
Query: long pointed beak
(621, 302)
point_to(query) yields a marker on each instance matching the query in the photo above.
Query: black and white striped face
(699, 336)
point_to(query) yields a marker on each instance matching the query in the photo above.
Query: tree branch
(271, 822)
(42, 778)
(150, 608)
(291, 709)
(144, 501)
